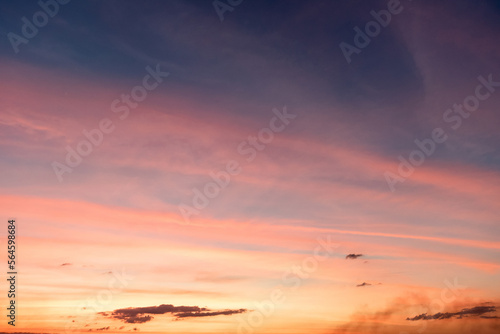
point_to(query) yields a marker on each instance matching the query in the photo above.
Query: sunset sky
(243, 166)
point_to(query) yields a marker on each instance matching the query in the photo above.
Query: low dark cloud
(66, 264)
(139, 315)
(464, 313)
(363, 284)
(353, 256)
(209, 314)
(133, 319)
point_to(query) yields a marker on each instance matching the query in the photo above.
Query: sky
(237, 166)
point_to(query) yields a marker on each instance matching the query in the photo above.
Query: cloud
(209, 314)
(364, 284)
(134, 319)
(390, 319)
(466, 312)
(66, 264)
(353, 256)
(137, 315)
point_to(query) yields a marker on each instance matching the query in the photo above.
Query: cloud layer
(464, 313)
(138, 315)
